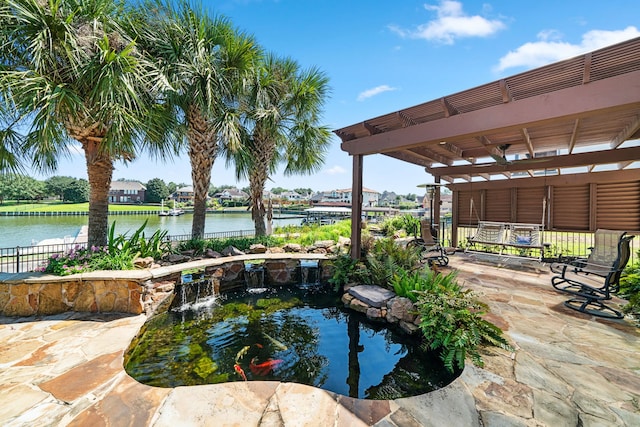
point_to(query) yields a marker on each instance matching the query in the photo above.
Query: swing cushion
(523, 240)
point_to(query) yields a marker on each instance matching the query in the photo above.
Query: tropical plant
(119, 253)
(451, 320)
(630, 287)
(387, 258)
(281, 113)
(344, 271)
(70, 72)
(205, 60)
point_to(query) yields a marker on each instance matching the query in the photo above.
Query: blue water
(308, 336)
(25, 231)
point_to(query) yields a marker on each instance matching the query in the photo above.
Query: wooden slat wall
(498, 204)
(571, 207)
(580, 202)
(618, 206)
(529, 205)
(468, 214)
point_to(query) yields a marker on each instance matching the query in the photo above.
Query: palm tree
(282, 110)
(205, 60)
(70, 72)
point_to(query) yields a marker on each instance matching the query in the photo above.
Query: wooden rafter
(574, 135)
(449, 110)
(626, 133)
(527, 141)
(565, 161)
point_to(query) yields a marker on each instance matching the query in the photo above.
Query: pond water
(290, 335)
(23, 231)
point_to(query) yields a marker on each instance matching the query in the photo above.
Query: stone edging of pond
(134, 291)
(380, 305)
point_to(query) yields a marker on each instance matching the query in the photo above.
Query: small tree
(77, 191)
(157, 191)
(56, 185)
(20, 187)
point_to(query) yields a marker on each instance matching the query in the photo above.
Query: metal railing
(559, 243)
(29, 258)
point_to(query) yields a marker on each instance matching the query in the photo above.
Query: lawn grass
(56, 206)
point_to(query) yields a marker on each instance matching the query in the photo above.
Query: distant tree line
(24, 188)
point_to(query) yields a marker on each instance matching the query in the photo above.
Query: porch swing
(504, 235)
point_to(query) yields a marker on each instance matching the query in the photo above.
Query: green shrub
(630, 287)
(387, 258)
(406, 222)
(410, 284)
(451, 320)
(118, 254)
(344, 268)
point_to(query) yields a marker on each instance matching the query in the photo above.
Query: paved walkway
(568, 369)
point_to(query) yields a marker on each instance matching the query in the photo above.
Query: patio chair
(592, 280)
(431, 249)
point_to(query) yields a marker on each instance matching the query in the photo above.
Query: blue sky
(382, 56)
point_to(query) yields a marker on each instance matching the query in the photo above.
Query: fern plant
(387, 258)
(451, 320)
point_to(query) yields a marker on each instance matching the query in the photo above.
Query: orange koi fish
(263, 368)
(239, 371)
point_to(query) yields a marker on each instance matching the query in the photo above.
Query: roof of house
(126, 185)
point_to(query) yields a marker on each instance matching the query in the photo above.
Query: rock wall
(382, 305)
(136, 291)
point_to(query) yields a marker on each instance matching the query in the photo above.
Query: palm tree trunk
(203, 150)
(99, 171)
(262, 152)
(257, 178)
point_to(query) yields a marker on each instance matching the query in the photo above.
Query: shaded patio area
(567, 369)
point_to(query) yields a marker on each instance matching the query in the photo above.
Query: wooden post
(356, 207)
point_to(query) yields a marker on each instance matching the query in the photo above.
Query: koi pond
(290, 335)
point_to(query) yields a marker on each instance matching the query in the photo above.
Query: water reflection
(295, 336)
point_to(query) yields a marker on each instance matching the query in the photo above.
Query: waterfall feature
(254, 278)
(195, 291)
(309, 273)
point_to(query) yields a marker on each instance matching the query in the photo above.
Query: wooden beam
(574, 135)
(527, 142)
(410, 157)
(572, 179)
(555, 162)
(430, 154)
(449, 110)
(453, 149)
(406, 120)
(626, 133)
(617, 93)
(586, 74)
(506, 92)
(356, 207)
(370, 128)
(489, 146)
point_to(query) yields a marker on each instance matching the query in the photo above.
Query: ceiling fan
(502, 160)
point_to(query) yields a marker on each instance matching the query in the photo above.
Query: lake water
(24, 231)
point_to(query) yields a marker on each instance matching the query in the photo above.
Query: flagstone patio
(567, 369)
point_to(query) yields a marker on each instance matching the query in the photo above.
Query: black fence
(560, 244)
(30, 258)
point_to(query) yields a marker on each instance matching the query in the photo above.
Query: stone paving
(568, 369)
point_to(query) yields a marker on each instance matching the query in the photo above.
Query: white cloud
(375, 91)
(452, 23)
(336, 170)
(550, 47)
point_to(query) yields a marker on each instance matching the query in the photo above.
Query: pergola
(554, 126)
